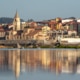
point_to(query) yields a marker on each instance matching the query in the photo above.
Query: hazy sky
(40, 9)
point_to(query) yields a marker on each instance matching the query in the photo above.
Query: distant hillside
(7, 20)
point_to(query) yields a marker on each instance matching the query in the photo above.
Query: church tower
(16, 22)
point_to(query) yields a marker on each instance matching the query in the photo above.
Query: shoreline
(63, 46)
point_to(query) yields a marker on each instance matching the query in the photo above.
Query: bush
(68, 46)
(46, 46)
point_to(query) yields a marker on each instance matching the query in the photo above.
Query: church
(15, 32)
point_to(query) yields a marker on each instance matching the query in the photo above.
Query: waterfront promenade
(20, 42)
(13, 41)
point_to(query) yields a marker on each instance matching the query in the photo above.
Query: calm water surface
(40, 64)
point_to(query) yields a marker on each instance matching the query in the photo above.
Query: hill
(7, 20)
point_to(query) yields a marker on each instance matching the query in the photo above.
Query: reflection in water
(58, 61)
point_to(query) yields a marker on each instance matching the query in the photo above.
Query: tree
(30, 20)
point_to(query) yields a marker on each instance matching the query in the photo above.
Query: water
(39, 64)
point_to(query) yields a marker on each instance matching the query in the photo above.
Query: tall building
(16, 22)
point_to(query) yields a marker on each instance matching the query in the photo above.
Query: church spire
(16, 15)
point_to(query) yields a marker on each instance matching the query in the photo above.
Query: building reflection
(14, 61)
(58, 61)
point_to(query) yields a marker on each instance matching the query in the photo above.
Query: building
(16, 22)
(2, 33)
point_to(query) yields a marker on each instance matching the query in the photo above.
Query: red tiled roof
(39, 27)
(33, 33)
(2, 30)
(1, 27)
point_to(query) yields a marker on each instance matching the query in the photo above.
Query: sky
(40, 9)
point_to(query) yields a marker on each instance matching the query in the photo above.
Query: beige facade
(2, 34)
(45, 30)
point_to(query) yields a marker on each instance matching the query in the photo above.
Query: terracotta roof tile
(33, 33)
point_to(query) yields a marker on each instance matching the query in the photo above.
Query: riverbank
(45, 46)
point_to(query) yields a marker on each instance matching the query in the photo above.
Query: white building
(66, 20)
